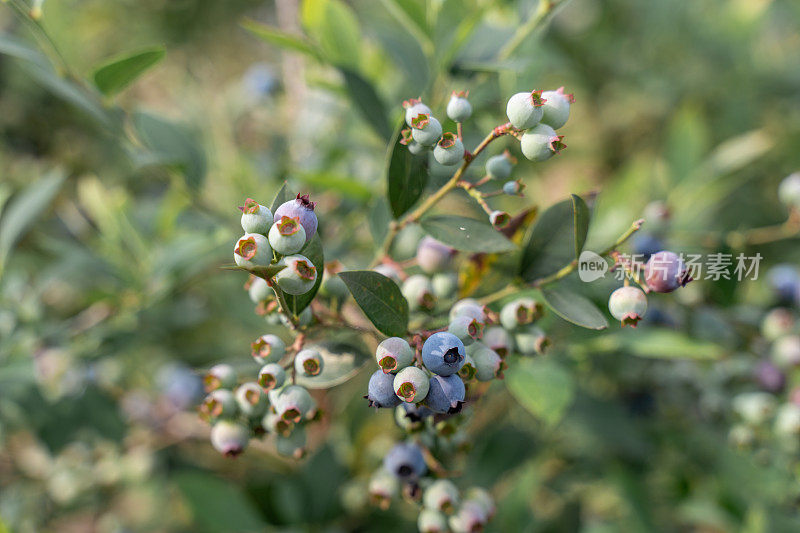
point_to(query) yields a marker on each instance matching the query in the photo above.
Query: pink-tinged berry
(541, 143)
(483, 499)
(449, 150)
(426, 130)
(786, 351)
(287, 236)
(229, 438)
(556, 107)
(299, 275)
(411, 384)
(256, 218)
(434, 256)
(414, 107)
(665, 272)
(267, 349)
(441, 495)
(458, 108)
(777, 323)
(308, 362)
(470, 518)
(432, 521)
(525, 110)
(499, 340)
(520, 312)
(274, 423)
(301, 208)
(252, 250)
(628, 305)
(394, 354)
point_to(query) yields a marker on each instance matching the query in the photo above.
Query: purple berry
(433, 256)
(665, 272)
(769, 376)
(302, 209)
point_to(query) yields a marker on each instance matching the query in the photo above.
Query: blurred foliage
(117, 199)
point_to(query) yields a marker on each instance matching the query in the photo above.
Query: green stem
(50, 46)
(544, 9)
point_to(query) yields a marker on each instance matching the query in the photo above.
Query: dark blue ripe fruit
(446, 394)
(443, 353)
(380, 390)
(405, 461)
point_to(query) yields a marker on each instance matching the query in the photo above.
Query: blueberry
(789, 190)
(458, 108)
(469, 518)
(499, 219)
(426, 130)
(389, 271)
(499, 166)
(293, 403)
(299, 275)
(445, 394)
(525, 110)
(754, 407)
(443, 353)
(645, 245)
(520, 312)
(220, 403)
(220, 376)
(468, 307)
(445, 284)
(256, 218)
(251, 399)
(415, 412)
(787, 421)
(786, 351)
(383, 488)
(252, 250)
(292, 445)
(229, 438)
(302, 209)
(267, 349)
(466, 328)
(308, 362)
(273, 422)
(665, 272)
(488, 365)
(417, 289)
(769, 377)
(513, 188)
(530, 340)
(405, 461)
(482, 498)
(434, 256)
(394, 354)
(499, 340)
(628, 305)
(411, 384)
(287, 236)
(555, 111)
(441, 495)
(541, 143)
(271, 376)
(380, 392)
(432, 521)
(777, 323)
(258, 290)
(449, 150)
(414, 107)
(785, 281)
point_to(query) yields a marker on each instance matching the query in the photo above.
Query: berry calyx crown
(250, 207)
(448, 140)
(304, 201)
(536, 98)
(557, 143)
(247, 248)
(420, 121)
(305, 270)
(288, 226)
(411, 102)
(570, 97)
(405, 136)
(460, 94)
(511, 159)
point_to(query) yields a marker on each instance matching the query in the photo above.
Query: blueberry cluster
(538, 114)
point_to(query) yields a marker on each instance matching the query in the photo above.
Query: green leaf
(172, 144)
(281, 38)
(313, 251)
(574, 308)
(120, 72)
(466, 234)
(379, 219)
(541, 386)
(581, 218)
(554, 240)
(687, 143)
(406, 176)
(265, 272)
(328, 181)
(334, 26)
(380, 299)
(364, 97)
(24, 209)
(657, 343)
(216, 505)
(341, 361)
(282, 196)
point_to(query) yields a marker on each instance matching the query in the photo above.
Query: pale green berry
(513, 188)
(299, 275)
(256, 218)
(628, 305)
(383, 488)
(229, 438)
(754, 408)
(287, 236)
(267, 349)
(220, 403)
(414, 107)
(469, 518)
(449, 150)
(785, 351)
(258, 290)
(499, 166)
(787, 420)
(482, 498)
(220, 376)
(777, 323)
(418, 291)
(530, 340)
(271, 376)
(445, 285)
(411, 384)
(466, 328)
(394, 354)
(405, 244)
(294, 444)
(468, 307)
(556, 107)
(426, 130)
(488, 365)
(524, 110)
(458, 108)
(432, 521)
(541, 143)
(252, 250)
(308, 362)
(252, 401)
(520, 312)
(441, 495)
(789, 190)
(273, 422)
(499, 340)
(293, 403)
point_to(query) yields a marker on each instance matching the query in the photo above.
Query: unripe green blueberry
(256, 218)
(789, 190)
(294, 444)
(394, 354)
(258, 290)
(530, 340)
(468, 307)
(458, 108)
(220, 403)
(628, 305)
(441, 495)
(513, 188)
(525, 110)
(411, 384)
(407, 139)
(308, 362)
(777, 323)
(449, 150)
(482, 498)
(405, 244)
(786, 351)
(488, 365)
(467, 371)
(445, 285)
(426, 130)
(432, 521)
(332, 285)
(287, 236)
(390, 271)
(229, 438)
(252, 401)
(556, 107)
(414, 107)
(293, 403)
(520, 312)
(434, 256)
(220, 376)
(271, 376)
(383, 488)
(418, 290)
(273, 422)
(252, 250)
(787, 420)
(499, 340)
(499, 166)
(541, 143)
(499, 219)
(299, 275)
(466, 328)
(754, 408)
(267, 349)
(469, 518)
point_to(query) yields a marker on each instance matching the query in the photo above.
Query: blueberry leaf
(281, 38)
(379, 218)
(281, 196)
(380, 299)
(120, 72)
(313, 251)
(466, 234)
(210, 498)
(541, 386)
(406, 176)
(574, 308)
(581, 218)
(364, 98)
(264, 272)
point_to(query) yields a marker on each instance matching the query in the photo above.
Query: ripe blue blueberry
(525, 110)
(628, 305)
(785, 281)
(256, 218)
(252, 401)
(449, 150)
(530, 340)
(302, 209)
(441, 495)
(299, 275)
(293, 403)
(414, 107)
(443, 353)
(665, 272)
(308, 362)
(499, 340)
(520, 312)
(267, 349)
(418, 291)
(229, 438)
(541, 143)
(789, 191)
(383, 488)
(513, 188)
(220, 376)
(458, 108)
(468, 307)
(220, 403)
(433, 256)
(432, 521)
(287, 236)
(499, 219)
(499, 166)
(426, 130)
(252, 250)
(271, 376)
(292, 445)
(445, 394)
(380, 391)
(466, 328)
(405, 461)
(555, 111)
(488, 364)
(411, 384)
(394, 354)
(258, 290)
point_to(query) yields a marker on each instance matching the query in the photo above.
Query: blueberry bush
(464, 293)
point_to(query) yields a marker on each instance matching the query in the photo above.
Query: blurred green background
(119, 209)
